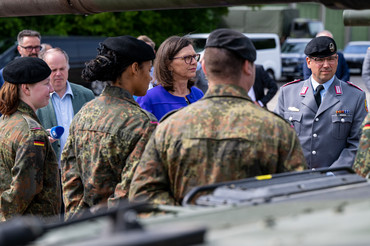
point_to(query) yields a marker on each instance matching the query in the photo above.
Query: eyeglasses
(320, 61)
(30, 48)
(188, 59)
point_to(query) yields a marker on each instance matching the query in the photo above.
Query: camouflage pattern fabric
(362, 161)
(29, 176)
(222, 137)
(106, 140)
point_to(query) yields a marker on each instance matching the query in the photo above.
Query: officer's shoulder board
(293, 82)
(353, 85)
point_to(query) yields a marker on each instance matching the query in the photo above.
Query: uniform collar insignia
(338, 90)
(304, 90)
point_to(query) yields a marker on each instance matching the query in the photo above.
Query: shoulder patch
(350, 83)
(293, 82)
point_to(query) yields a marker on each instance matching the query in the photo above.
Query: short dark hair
(166, 51)
(27, 33)
(222, 63)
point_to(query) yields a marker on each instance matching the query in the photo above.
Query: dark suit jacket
(262, 81)
(48, 119)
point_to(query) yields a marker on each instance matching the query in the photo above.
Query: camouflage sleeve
(150, 182)
(71, 181)
(291, 157)
(362, 161)
(133, 159)
(26, 175)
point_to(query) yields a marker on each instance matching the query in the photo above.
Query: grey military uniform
(330, 134)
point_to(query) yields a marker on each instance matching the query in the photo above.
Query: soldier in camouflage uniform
(29, 178)
(222, 137)
(362, 161)
(108, 135)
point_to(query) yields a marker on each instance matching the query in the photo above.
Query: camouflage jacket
(222, 137)
(29, 176)
(106, 140)
(362, 161)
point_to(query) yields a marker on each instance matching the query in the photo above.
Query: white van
(267, 46)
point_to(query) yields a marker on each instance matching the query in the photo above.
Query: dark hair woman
(174, 68)
(108, 135)
(29, 180)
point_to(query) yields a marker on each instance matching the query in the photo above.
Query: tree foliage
(158, 25)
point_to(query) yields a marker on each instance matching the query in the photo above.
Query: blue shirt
(326, 85)
(159, 101)
(64, 113)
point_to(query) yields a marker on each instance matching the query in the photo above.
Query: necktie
(317, 94)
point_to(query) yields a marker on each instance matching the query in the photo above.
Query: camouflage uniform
(107, 138)
(29, 176)
(362, 161)
(222, 137)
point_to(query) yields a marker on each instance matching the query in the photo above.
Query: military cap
(322, 46)
(130, 48)
(233, 41)
(26, 70)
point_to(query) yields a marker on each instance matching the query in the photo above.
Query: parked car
(80, 49)
(292, 57)
(355, 52)
(267, 46)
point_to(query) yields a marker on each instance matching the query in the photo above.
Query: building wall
(333, 21)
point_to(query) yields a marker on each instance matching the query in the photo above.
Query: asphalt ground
(357, 80)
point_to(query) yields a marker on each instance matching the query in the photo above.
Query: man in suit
(28, 46)
(262, 81)
(66, 100)
(326, 112)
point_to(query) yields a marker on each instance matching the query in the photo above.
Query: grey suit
(330, 134)
(47, 116)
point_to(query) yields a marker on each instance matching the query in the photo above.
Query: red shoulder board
(293, 82)
(350, 83)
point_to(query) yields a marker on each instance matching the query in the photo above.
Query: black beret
(130, 49)
(26, 70)
(322, 46)
(233, 41)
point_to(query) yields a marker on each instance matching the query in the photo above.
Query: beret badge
(331, 47)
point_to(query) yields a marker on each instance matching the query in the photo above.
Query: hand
(51, 140)
(255, 102)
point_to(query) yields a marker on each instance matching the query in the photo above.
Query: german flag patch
(39, 143)
(367, 127)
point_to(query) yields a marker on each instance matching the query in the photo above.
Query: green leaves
(158, 25)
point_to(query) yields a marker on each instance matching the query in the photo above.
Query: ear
(25, 88)
(308, 60)
(204, 68)
(248, 67)
(19, 49)
(135, 68)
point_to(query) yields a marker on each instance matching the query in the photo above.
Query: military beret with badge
(322, 46)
